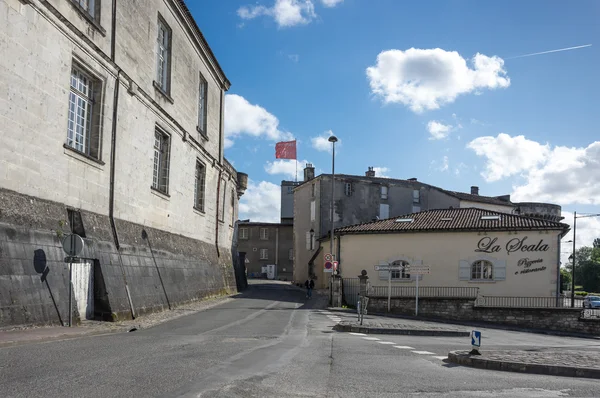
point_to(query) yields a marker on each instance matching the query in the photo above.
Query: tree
(565, 279)
(587, 267)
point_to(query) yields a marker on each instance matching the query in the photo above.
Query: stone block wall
(555, 319)
(34, 279)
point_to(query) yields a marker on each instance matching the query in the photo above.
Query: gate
(83, 289)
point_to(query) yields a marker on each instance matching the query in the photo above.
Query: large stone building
(360, 199)
(112, 128)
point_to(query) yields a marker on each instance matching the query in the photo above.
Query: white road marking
(357, 334)
(442, 358)
(404, 347)
(424, 352)
(371, 338)
(385, 342)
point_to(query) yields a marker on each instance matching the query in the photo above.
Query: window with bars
(348, 189)
(264, 234)
(202, 102)
(160, 178)
(199, 187)
(264, 254)
(243, 234)
(89, 6)
(482, 270)
(83, 128)
(163, 56)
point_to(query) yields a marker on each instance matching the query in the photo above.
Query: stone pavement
(554, 362)
(373, 324)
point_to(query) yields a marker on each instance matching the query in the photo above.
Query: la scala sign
(515, 245)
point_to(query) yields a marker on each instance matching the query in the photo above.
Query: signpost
(417, 270)
(389, 268)
(328, 265)
(475, 342)
(73, 245)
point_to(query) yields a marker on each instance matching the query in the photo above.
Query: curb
(463, 358)
(403, 332)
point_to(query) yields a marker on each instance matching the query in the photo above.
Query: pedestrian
(310, 285)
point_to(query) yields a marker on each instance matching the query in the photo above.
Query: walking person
(310, 285)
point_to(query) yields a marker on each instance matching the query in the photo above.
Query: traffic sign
(73, 245)
(418, 269)
(328, 267)
(476, 338)
(328, 257)
(387, 267)
(335, 265)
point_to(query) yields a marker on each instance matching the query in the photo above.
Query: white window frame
(265, 235)
(202, 106)
(163, 55)
(416, 196)
(384, 192)
(200, 186)
(313, 210)
(243, 234)
(160, 174)
(482, 270)
(264, 254)
(401, 274)
(82, 125)
(89, 6)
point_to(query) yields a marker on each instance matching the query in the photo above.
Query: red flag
(285, 150)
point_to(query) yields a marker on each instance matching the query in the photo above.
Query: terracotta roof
(495, 200)
(465, 219)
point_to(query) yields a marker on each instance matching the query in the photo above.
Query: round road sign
(73, 245)
(328, 257)
(328, 265)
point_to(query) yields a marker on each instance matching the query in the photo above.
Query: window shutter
(464, 272)
(384, 211)
(499, 270)
(312, 211)
(307, 240)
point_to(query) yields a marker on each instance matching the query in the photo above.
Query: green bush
(581, 293)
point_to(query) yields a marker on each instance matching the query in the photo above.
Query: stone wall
(34, 280)
(554, 319)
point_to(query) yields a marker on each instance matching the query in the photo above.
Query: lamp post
(333, 139)
(575, 217)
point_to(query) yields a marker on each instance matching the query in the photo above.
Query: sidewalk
(568, 363)
(373, 324)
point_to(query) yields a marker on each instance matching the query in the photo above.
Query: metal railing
(350, 290)
(425, 291)
(524, 302)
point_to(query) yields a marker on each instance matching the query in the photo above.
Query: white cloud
(261, 202)
(287, 167)
(438, 130)
(242, 117)
(588, 229)
(294, 57)
(331, 3)
(444, 165)
(286, 13)
(321, 143)
(425, 79)
(507, 156)
(461, 166)
(381, 172)
(560, 175)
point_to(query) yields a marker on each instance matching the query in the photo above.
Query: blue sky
(428, 107)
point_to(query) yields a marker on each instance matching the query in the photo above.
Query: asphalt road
(272, 342)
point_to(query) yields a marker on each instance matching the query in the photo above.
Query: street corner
(398, 329)
(566, 363)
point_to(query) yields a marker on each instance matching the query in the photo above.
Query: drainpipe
(276, 251)
(113, 146)
(217, 215)
(559, 237)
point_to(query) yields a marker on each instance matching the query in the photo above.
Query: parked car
(591, 302)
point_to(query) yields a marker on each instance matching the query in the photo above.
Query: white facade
(39, 53)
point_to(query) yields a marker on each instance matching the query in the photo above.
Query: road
(271, 342)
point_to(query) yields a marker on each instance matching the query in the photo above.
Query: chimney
(474, 190)
(309, 172)
(412, 179)
(370, 172)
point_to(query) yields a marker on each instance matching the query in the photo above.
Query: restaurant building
(501, 254)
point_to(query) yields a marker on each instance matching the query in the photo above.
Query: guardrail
(425, 291)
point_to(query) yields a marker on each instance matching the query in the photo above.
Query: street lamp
(333, 139)
(575, 217)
